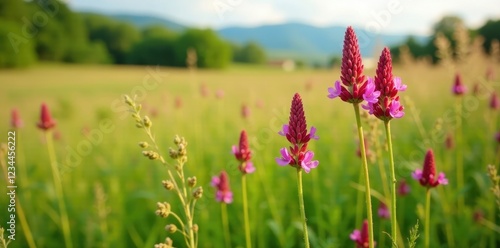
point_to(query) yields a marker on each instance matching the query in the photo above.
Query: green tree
(118, 37)
(15, 50)
(211, 51)
(153, 51)
(489, 31)
(251, 52)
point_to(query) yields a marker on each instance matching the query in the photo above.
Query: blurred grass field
(111, 189)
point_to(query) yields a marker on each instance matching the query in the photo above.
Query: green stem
(427, 217)
(301, 205)
(393, 185)
(366, 175)
(359, 200)
(459, 161)
(248, 237)
(225, 224)
(59, 191)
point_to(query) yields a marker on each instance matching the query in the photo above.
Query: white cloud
(416, 16)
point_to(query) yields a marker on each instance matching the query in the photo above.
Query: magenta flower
(384, 102)
(353, 81)
(494, 101)
(245, 111)
(396, 109)
(403, 188)
(371, 95)
(295, 132)
(449, 144)
(360, 237)
(223, 193)
(427, 176)
(458, 88)
(497, 137)
(383, 211)
(335, 92)
(243, 154)
(46, 121)
(399, 85)
(15, 120)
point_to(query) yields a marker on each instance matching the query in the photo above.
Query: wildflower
(353, 81)
(427, 176)
(243, 154)
(204, 90)
(178, 102)
(368, 152)
(46, 121)
(219, 94)
(381, 93)
(458, 88)
(163, 209)
(15, 120)
(360, 237)
(224, 193)
(478, 216)
(490, 74)
(494, 101)
(245, 111)
(403, 188)
(449, 144)
(296, 133)
(383, 211)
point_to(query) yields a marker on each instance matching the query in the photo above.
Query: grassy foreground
(111, 190)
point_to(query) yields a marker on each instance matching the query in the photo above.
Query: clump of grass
(3, 243)
(412, 240)
(184, 187)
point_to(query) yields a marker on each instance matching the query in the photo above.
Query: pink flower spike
(335, 92)
(396, 110)
(285, 157)
(383, 211)
(417, 174)
(399, 85)
(307, 164)
(371, 95)
(284, 131)
(442, 179)
(312, 133)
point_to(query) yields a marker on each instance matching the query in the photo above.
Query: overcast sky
(387, 16)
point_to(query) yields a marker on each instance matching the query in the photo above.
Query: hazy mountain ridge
(297, 39)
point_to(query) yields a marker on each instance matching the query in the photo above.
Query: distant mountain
(289, 40)
(143, 21)
(308, 42)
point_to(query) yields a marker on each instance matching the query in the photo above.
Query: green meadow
(111, 189)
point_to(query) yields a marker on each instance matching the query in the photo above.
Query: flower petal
(235, 150)
(249, 168)
(215, 181)
(442, 179)
(285, 157)
(417, 174)
(284, 131)
(399, 85)
(395, 109)
(312, 133)
(335, 92)
(355, 235)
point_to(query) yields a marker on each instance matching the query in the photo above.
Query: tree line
(47, 30)
(446, 27)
